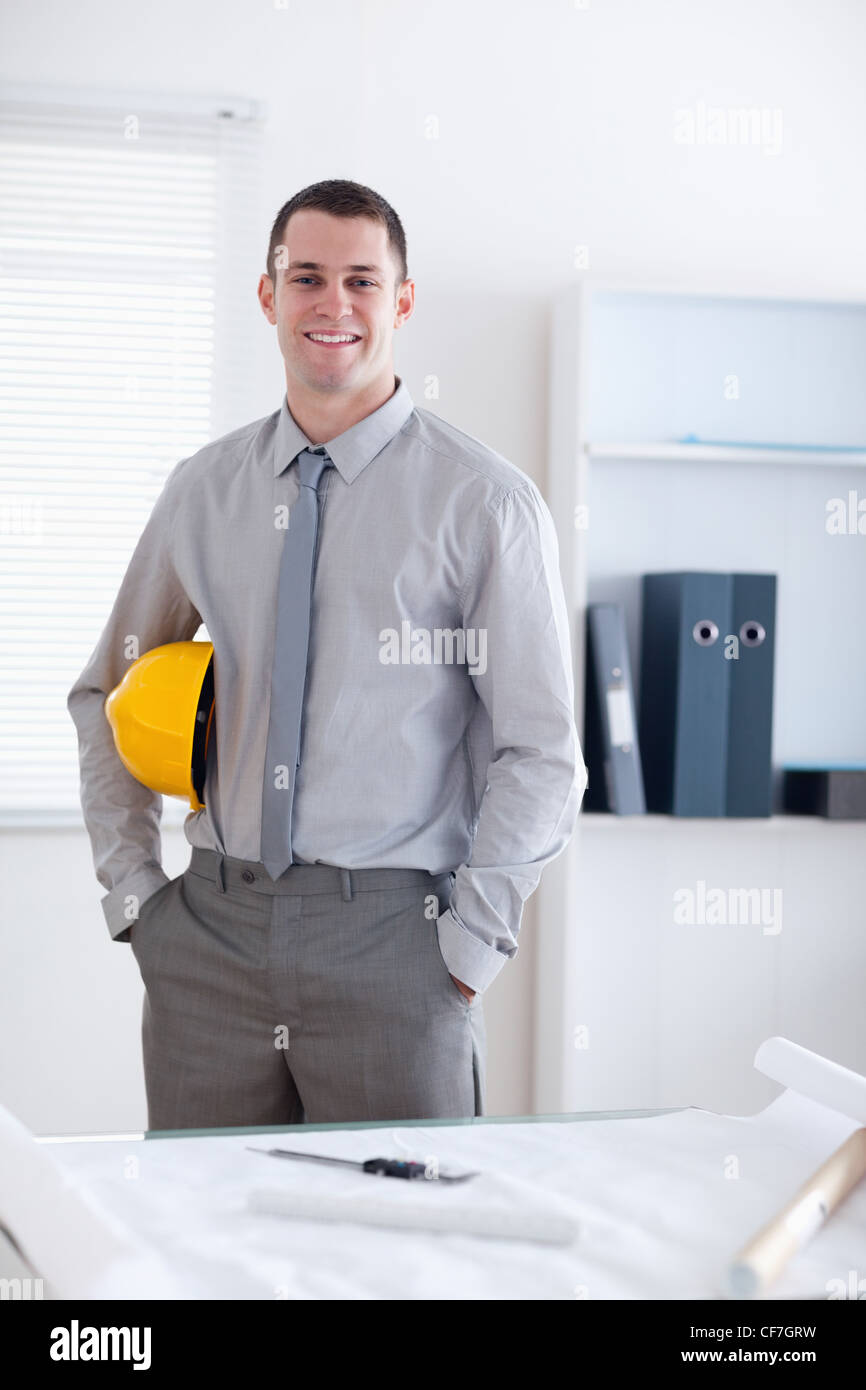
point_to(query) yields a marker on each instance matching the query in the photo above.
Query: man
(395, 757)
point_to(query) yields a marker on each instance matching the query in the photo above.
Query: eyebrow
(314, 265)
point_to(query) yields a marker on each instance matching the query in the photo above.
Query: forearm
(536, 777)
(122, 817)
(527, 817)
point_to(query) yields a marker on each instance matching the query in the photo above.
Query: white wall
(555, 129)
(673, 1013)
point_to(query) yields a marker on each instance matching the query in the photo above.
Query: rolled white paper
(814, 1076)
(504, 1223)
(815, 1086)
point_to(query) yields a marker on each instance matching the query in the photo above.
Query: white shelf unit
(720, 453)
(634, 371)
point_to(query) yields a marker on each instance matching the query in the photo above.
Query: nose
(334, 303)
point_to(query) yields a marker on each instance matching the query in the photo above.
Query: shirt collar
(357, 446)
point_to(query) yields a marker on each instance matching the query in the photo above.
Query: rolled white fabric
(504, 1223)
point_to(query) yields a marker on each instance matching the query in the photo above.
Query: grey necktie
(290, 666)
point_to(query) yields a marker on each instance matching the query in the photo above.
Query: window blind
(129, 252)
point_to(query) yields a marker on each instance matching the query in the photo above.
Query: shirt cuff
(122, 905)
(472, 961)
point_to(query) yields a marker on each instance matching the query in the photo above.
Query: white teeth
(333, 337)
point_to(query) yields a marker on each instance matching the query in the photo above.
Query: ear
(405, 303)
(267, 297)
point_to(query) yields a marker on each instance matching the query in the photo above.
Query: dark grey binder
(750, 713)
(612, 754)
(684, 691)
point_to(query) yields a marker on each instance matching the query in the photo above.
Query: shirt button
(248, 876)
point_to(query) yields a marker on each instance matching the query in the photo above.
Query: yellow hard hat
(161, 715)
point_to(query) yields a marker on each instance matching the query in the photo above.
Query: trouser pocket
(149, 912)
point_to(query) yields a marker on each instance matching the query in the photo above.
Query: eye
(298, 278)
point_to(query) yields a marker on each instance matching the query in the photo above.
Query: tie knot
(311, 466)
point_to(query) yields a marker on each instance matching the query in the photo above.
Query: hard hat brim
(201, 737)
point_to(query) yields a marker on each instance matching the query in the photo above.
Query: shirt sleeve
(122, 817)
(536, 777)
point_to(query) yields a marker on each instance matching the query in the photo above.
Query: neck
(324, 415)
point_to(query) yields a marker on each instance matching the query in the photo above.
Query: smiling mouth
(333, 339)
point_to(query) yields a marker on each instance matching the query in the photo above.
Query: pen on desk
(382, 1167)
(762, 1259)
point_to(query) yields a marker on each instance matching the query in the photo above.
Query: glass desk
(564, 1118)
(610, 1204)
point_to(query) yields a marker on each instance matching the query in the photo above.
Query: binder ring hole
(705, 632)
(752, 633)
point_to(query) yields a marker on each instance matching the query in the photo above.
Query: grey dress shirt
(438, 725)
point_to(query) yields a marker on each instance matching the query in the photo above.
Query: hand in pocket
(464, 989)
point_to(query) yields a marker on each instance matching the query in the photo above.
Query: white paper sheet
(662, 1203)
(63, 1230)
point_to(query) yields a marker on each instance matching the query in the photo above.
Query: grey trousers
(323, 997)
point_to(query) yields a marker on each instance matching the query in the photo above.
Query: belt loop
(346, 876)
(220, 873)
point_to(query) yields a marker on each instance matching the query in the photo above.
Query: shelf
(719, 453)
(647, 823)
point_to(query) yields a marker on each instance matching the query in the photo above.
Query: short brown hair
(343, 198)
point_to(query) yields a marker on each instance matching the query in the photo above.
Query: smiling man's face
(335, 279)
